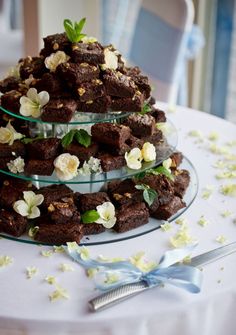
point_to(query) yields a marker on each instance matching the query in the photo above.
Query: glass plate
(164, 150)
(78, 118)
(110, 236)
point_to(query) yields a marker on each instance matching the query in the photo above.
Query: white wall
(52, 13)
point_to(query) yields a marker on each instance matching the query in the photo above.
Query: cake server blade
(123, 292)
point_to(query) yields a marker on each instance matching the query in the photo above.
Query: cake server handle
(112, 297)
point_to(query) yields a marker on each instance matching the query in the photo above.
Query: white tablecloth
(26, 309)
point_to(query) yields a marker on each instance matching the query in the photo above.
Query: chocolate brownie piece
(165, 211)
(99, 105)
(89, 91)
(143, 85)
(110, 162)
(158, 114)
(177, 158)
(54, 193)
(59, 233)
(32, 65)
(64, 211)
(46, 148)
(124, 192)
(88, 201)
(133, 104)
(110, 133)
(82, 152)
(12, 223)
(59, 110)
(51, 83)
(130, 143)
(9, 84)
(11, 101)
(75, 74)
(53, 43)
(118, 84)
(4, 161)
(141, 125)
(39, 167)
(88, 52)
(162, 185)
(155, 138)
(181, 182)
(12, 190)
(92, 228)
(130, 217)
(15, 150)
(132, 71)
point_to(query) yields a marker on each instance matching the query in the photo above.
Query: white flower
(66, 166)
(9, 135)
(106, 212)
(52, 61)
(148, 152)
(134, 158)
(32, 103)
(167, 164)
(93, 165)
(89, 39)
(28, 206)
(17, 165)
(111, 60)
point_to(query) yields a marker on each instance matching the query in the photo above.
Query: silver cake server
(123, 292)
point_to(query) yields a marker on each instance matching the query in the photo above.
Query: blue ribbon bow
(123, 272)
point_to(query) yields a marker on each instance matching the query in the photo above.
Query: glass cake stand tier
(164, 149)
(78, 118)
(110, 236)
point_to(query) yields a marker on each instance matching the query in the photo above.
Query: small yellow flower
(148, 152)
(134, 159)
(52, 61)
(66, 166)
(8, 134)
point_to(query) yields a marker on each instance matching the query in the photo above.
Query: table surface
(25, 307)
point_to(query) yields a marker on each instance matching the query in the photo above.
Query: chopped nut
(55, 46)
(117, 196)
(81, 91)
(128, 195)
(89, 102)
(51, 208)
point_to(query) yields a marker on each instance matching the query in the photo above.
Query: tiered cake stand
(93, 182)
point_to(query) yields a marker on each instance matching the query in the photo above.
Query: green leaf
(69, 29)
(149, 196)
(73, 31)
(142, 187)
(145, 109)
(79, 25)
(161, 170)
(68, 138)
(83, 138)
(90, 216)
(27, 140)
(140, 175)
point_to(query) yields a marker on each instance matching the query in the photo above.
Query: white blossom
(52, 61)
(66, 166)
(33, 102)
(8, 134)
(106, 212)
(29, 206)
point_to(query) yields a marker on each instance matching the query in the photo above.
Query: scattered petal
(207, 192)
(5, 261)
(64, 267)
(226, 213)
(166, 226)
(221, 239)
(59, 293)
(228, 190)
(182, 238)
(203, 221)
(46, 253)
(31, 271)
(51, 280)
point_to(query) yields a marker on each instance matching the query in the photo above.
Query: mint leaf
(68, 138)
(27, 140)
(142, 187)
(145, 109)
(90, 216)
(149, 196)
(73, 31)
(161, 170)
(83, 138)
(140, 175)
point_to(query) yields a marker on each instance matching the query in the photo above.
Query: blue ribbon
(184, 276)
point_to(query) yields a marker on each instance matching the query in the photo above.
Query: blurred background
(187, 47)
